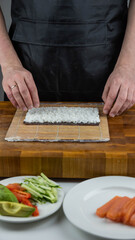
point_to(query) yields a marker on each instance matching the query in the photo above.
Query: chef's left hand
(119, 91)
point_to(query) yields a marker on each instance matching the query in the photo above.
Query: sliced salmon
(126, 208)
(119, 209)
(132, 220)
(102, 211)
(128, 211)
(120, 213)
(114, 213)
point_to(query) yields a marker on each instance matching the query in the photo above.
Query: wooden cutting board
(18, 131)
(67, 159)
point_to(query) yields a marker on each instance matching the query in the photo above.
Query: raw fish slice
(132, 220)
(120, 213)
(126, 207)
(102, 211)
(129, 211)
(114, 213)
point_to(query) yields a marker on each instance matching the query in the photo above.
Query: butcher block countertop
(70, 160)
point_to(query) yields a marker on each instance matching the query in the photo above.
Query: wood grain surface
(18, 131)
(70, 160)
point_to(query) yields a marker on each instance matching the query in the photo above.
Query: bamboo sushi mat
(18, 131)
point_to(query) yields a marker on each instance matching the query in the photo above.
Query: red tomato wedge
(16, 186)
(36, 212)
(20, 195)
(27, 202)
(23, 194)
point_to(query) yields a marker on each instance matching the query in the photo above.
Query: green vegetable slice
(41, 188)
(15, 209)
(7, 195)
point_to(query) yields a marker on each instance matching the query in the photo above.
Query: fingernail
(112, 115)
(105, 111)
(36, 105)
(25, 109)
(30, 107)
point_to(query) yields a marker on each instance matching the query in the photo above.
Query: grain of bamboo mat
(18, 131)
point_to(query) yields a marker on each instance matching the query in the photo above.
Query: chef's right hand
(20, 87)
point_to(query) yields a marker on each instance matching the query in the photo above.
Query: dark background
(6, 7)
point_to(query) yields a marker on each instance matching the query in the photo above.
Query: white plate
(81, 202)
(45, 210)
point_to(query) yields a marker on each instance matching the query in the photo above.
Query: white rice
(58, 115)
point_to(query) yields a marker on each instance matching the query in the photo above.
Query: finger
(25, 94)
(121, 99)
(133, 101)
(105, 92)
(11, 97)
(131, 105)
(112, 94)
(33, 90)
(18, 98)
(128, 101)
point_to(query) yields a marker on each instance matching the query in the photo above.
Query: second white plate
(81, 202)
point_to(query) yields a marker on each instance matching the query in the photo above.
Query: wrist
(126, 59)
(9, 67)
(124, 65)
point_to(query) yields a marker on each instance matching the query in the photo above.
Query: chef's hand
(119, 91)
(24, 94)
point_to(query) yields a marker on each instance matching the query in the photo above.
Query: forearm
(8, 56)
(127, 54)
(119, 91)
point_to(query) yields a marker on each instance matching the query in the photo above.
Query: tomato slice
(16, 186)
(27, 202)
(36, 212)
(20, 196)
(21, 193)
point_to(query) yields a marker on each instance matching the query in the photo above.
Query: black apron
(69, 46)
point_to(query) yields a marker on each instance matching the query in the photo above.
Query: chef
(69, 50)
